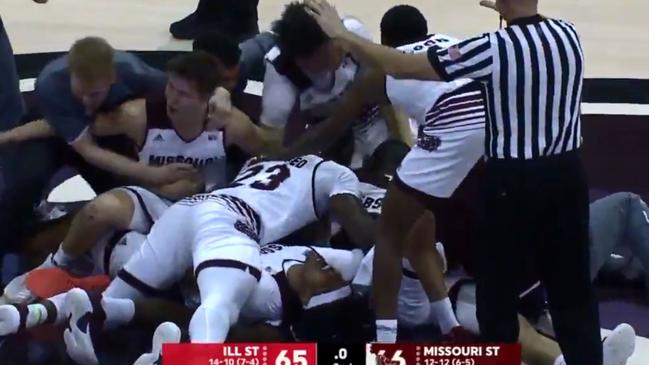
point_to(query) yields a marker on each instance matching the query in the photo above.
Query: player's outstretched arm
(27, 132)
(367, 89)
(395, 63)
(357, 222)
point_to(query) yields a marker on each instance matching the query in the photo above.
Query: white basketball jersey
(162, 145)
(416, 97)
(372, 197)
(288, 195)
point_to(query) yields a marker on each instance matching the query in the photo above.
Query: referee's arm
(471, 58)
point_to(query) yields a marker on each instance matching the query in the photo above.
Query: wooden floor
(615, 33)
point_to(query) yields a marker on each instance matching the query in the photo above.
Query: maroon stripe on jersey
(460, 108)
(458, 117)
(474, 103)
(247, 211)
(461, 127)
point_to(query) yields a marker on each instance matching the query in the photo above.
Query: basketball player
(537, 349)
(168, 128)
(439, 174)
(619, 224)
(244, 61)
(70, 91)
(217, 235)
(308, 67)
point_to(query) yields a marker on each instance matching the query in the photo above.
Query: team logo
(428, 143)
(158, 138)
(212, 137)
(455, 53)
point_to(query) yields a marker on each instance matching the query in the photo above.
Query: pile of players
(208, 248)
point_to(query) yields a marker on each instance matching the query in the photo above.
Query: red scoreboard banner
(328, 354)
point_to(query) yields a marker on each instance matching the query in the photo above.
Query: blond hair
(91, 59)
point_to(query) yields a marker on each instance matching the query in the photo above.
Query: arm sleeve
(278, 98)
(59, 113)
(471, 58)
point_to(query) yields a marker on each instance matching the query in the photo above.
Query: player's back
(416, 97)
(287, 195)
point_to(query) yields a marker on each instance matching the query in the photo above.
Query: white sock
(9, 320)
(58, 301)
(386, 330)
(442, 311)
(36, 315)
(62, 259)
(560, 361)
(119, 311)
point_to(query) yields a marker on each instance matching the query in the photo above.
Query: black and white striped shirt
(533, 75)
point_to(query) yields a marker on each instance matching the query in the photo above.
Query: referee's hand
(489, 4)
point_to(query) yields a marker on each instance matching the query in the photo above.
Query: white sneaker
(78, 343)
(9, 320)
(167, 332)
(619, 345)
(16, 292)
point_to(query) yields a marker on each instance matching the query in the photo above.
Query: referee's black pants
(535, 216)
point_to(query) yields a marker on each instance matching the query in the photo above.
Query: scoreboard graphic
(330, 354)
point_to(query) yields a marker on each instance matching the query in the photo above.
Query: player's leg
(24, 317)
(161, 261)
(130, 208)
(399, 214)
(227, 266)
(637, 232)
(609, 218)
(427, 263)
(224, 291)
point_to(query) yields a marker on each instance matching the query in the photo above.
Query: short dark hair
(219, 45)
(401, 25)
(298, 34)
(200, 67)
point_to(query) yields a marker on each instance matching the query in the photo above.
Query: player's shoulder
(437, 40)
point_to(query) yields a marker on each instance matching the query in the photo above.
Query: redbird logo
(455, 53)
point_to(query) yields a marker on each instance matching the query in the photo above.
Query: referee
(535, 196)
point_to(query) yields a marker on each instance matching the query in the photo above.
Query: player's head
(226, 50)
(92, 72)
(319, 275)
(386, 158)
(191, 80)
(300, 38)
(512, 9)
(401, 25)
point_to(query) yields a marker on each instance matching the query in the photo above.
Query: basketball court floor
(615, 35)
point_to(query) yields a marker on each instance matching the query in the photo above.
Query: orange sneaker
(46, 283)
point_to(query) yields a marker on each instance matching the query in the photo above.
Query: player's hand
(4, 138)
(171, 173)
(220, 104)
(326, 16)
(489, 4)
